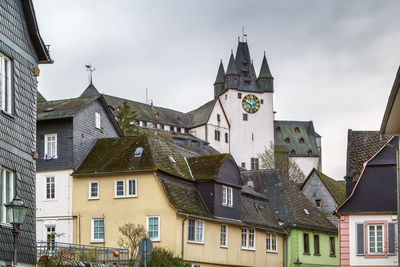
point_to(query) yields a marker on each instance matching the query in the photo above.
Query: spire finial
(90, 69)
(232, 51)
(244, 35)
(264, 53)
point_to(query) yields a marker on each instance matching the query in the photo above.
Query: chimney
(282, 159)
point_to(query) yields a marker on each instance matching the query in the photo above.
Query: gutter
(111, 172)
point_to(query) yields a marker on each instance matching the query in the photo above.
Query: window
(50, 187)
(162, 126)
(93, 190)
(98, 230)
(244, 165)
(171, 128)
(278, 129)
(272, 240)
(98, 120)
(145, 123)
(262, 101)
(217, 135)
(318, 203)
(297, 129)
(247, 82)
(196, 265)
(248, 238)
(129, 191)
(7, 192)
(50, 146)
(254, 163)
(131, 187)
(196, 231)
(245, 73)
(226, 138)
(316, 245)
(153, 227)
(240, 95)
(293, 152)
(6, 89)
(306, 244)
(244, 116)
(309, 152)
(178, 129)
(218, 118)
(375, 239)
(332, 246)
(51, 236)
(227, 196)
(224, 236)
(301, 140)
(287, 140)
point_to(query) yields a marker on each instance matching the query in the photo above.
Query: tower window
(254, 163)
(293, 152)
(318, 203)
(287, 140)
(243, 165)
(262, 101)
(297, 129)
(218, 118)
(240, 95)
(245, 117)
(245, 73)
(247, 82)
(278, 129)
(301, 140)
(309, 152)
(244, 63)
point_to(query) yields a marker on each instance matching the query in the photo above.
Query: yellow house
(195, 206)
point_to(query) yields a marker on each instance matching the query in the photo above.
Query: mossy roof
(301, 141)
(110, 155)
(206, 166)
(337, 189)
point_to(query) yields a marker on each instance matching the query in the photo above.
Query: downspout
(79, 222)
(183, 234)
(286, 250)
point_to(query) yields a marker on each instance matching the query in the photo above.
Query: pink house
(368, 217)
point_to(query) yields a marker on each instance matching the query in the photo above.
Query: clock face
(251, 103)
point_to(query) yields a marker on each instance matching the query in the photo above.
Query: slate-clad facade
(21, 43)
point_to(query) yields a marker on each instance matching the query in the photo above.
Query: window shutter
(360, 239)
(391, 238)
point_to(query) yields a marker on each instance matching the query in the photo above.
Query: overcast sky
(334, 62)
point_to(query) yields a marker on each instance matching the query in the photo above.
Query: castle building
(240, 118)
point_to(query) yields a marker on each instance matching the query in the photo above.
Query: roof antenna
(90, 69)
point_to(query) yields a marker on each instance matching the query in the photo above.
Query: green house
(312, 239)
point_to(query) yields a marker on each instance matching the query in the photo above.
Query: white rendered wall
(221, 126)
(361, 260)
(248, 138)
(199, 132)
(55, 212)
(306, 164)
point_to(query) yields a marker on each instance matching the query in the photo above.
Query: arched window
(301, 140)
(287, 140)
(297, 129)
(293, 152)
(309, 152)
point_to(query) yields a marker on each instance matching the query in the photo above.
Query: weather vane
(90, 69)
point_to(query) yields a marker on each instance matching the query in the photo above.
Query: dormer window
(278, 129)
(297, 129)
(301, 140)
(138, 152)
(309, 152)
(293, 152)
(245, 73)
(287, 140)
(247, 82)
(227, 196)
(245, 63)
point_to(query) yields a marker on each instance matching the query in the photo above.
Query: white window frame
(159, 227)
(196, 240)
(115, 188)
(97, 119)
(90, 190)
(226, 236)
(6, 98)
(46, 146)
(247, 238)
(46, 227)
(196, 265)
(99, 240)
(269, 242)
(127, 187)
(376, 239)
(3, 194)
(227, 196)
(45, 188)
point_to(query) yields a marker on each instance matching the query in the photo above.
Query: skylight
(306, 212)
(172, 160)
(138, 152)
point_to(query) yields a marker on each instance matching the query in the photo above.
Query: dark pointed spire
(231, 66)
(221, 74)
(264, 71)
(252, 70)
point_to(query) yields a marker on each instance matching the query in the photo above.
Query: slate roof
(336, 188)
(207, 166)
(110, 155)
(287, 129)
(361, 146)
(40, 97)
(201, 115)
(63, 108)
(287, 200)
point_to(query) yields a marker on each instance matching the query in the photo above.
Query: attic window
(245, 63)
(297, 129)
(287, 140)
(240, 95)
(247, 82)
(245, 73)
(162, 126)
(138, 152)
(306, 212)
(250, 184)
(293, 152)
(309, 152)
(301, 140)
(278, 129)
(172, 160)
(318, 203)
(157, 115)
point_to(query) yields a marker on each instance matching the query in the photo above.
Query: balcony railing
(68, 252)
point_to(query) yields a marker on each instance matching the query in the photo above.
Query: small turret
(232, 75)
(219, 85)
(265, 79)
